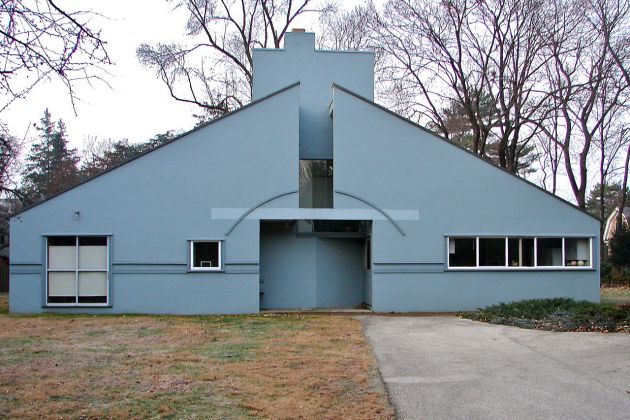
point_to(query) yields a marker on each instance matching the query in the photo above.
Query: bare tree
(215, 70)
(611, 139)
(348, 30)
(510, 62)
(40, 41)
(483, 56)
(612, 21)
(587, 101)
(427, 64)
(10, 149)
(559, 77)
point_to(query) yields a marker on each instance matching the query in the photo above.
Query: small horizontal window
(336, 227)
(205, 255)
(512, 253)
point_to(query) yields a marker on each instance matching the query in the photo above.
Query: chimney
(300, 30)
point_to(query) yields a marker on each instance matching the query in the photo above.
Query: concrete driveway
(451, 368)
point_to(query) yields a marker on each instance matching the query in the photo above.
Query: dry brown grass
(4, 303)
(616, 295)
(287, 366)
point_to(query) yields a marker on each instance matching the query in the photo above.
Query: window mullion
(564, 258)
(506, 252)
(107, 289)
(535, 252)
(192, 257)
(47, 271)
(590, 251)
(477, 251)
(448, 252)
(220, 262)
(76, 270)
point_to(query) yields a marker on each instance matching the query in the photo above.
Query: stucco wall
(316, 71)
(396, 165)
(153, 205)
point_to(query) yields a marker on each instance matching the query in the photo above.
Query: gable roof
(437, 136)
(613, 214)
(140, 155)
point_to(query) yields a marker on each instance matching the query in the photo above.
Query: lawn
(275, 366)
(616, 295)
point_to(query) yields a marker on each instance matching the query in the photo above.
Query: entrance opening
(301, 268)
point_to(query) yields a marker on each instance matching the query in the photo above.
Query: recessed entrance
(306, 271)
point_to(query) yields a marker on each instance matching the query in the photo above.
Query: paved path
(451, 368)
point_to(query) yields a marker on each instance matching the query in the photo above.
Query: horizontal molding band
(409, 270)
(151, 270)
(182, 270)
(178, 263)
(241, 263)
(147, 263)
(24, 270)
(24, 263)
(408, 262)
(242, 271)
(407, 267)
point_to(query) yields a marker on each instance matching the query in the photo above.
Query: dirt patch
(140, 366)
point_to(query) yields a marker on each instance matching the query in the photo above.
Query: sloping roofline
(426, 130)
(613, 214)
(204, 125)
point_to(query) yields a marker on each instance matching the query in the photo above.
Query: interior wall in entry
(309, 272)
(340, 272)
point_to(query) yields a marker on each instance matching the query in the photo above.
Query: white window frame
(78, 270)
(192, 250)
(517, 268)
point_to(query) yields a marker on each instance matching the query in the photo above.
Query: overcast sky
(137, 106)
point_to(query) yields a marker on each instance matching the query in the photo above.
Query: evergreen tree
(620, 249)
(50, 166)
(109, 154)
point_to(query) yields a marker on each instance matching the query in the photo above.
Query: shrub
(558, 314)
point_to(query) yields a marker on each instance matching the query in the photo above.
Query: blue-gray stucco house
(311, 196)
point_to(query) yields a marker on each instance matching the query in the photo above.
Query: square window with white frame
(77, 270)
(205, 255)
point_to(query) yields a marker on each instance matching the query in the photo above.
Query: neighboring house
(610, 228)
(7, 208)
(312, 196)
(5, 211)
